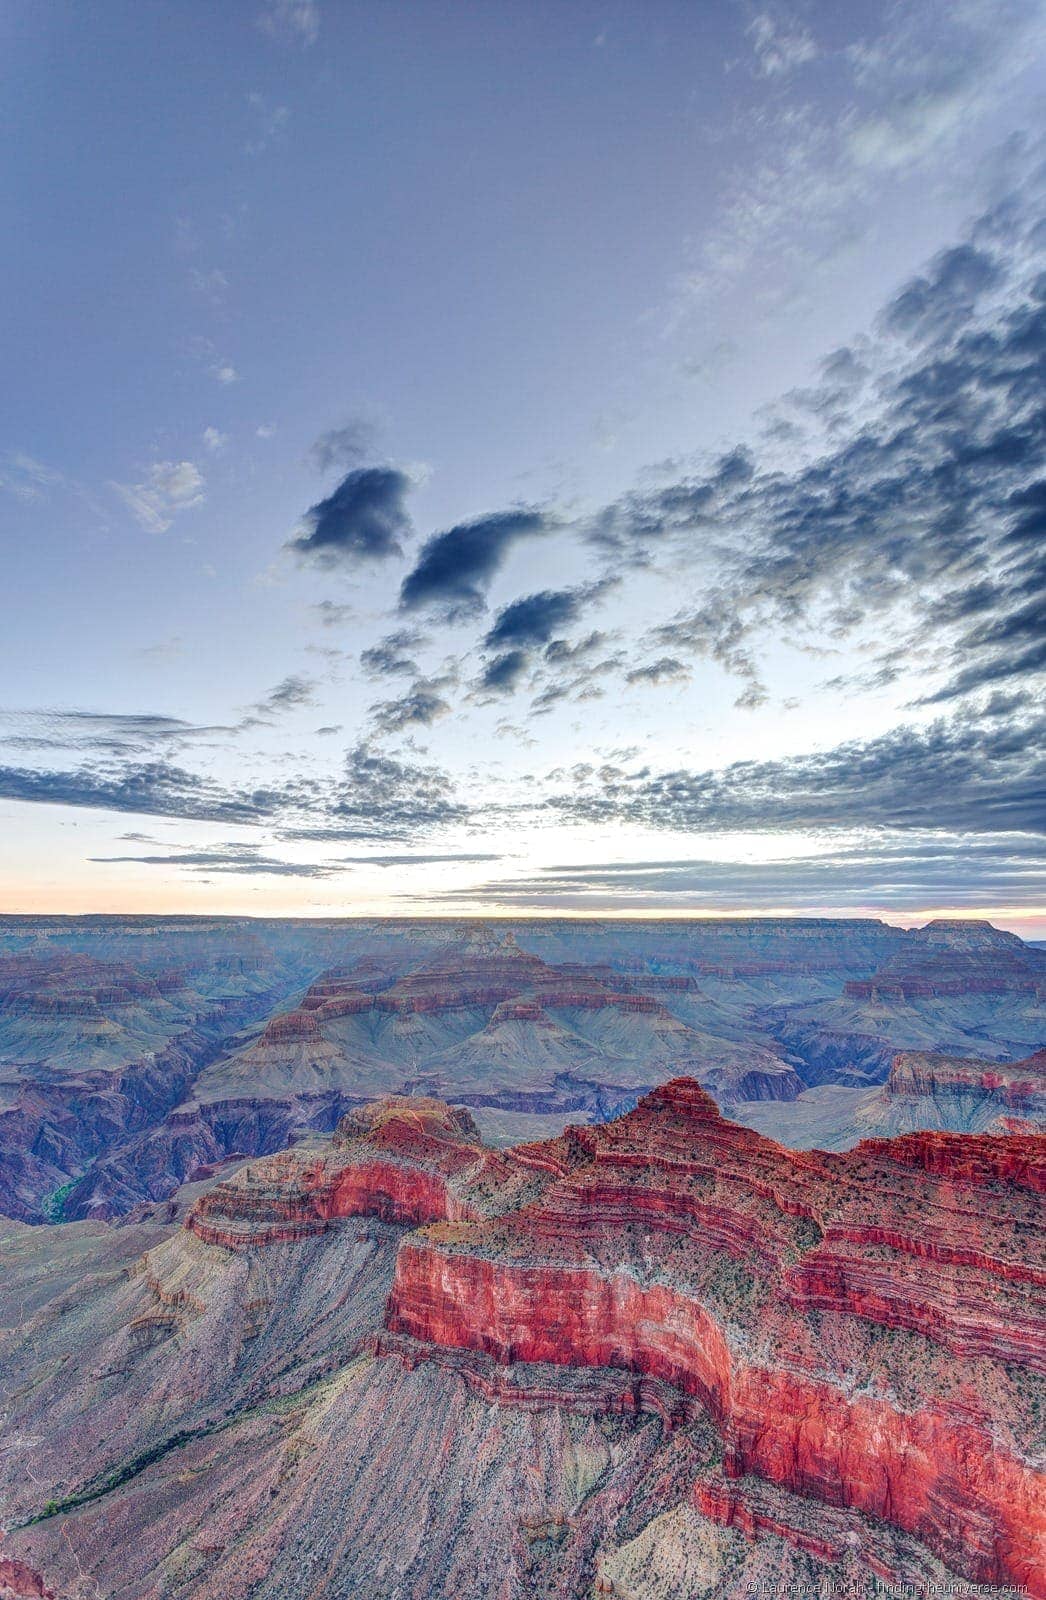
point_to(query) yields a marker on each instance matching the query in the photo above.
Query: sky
(552, 458)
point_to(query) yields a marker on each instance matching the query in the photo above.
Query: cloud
(865, 875)
(215, 440)
(168, 487)
(933, 306)
(932, 74)
(152, 788)
(666, 669)
(384, 796)
(504, 672)
(364, 519)
(560, 653)
(420, 860)
(289, 695)
(26, 478)
(530, 622)
(535, 618)
(333, 615)
(213, 285)
(234, 858)
(909, 97)
(389, 658)
(956, 774)
(294, 21)
(103, 732)
(419, 707)
(582, 682)
(348, 446)
(455, 568)
(922, 505)
(781, 45)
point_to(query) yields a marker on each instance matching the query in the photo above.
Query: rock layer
(843, 1318)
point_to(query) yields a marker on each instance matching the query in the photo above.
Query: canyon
(657, 1356)
(135, 1052)
(376, 1258)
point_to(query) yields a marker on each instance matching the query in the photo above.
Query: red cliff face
(403, 1160)
(864, 1328)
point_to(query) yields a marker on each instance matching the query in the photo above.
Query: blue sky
(535, 457)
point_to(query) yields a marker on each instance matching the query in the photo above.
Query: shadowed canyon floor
(658, 1357)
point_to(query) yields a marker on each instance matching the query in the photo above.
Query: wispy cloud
(295, 21)
(781, 44)
(234, 858)
(168, 488)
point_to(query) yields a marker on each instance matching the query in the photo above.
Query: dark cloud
(716, 632)
(926, 500)
(1027, 663)
(390, 657)
(560, 653)
(504, 672)
(582, 681)
(536, 618)
(365, 518)
(933, 305)
(628, 527)
(523, 626)
(454, 568)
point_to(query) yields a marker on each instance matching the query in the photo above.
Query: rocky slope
(923, 1090)
(658, 1357)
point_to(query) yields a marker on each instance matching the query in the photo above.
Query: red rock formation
(834, 1313)
(1018, 1086)
(403, 1160)
(291, 1027)
(19, 1582)
(345, 1005)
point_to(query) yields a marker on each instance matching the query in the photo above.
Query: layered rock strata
(1017, 1087)
(867, 1329)
(401, 1159)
